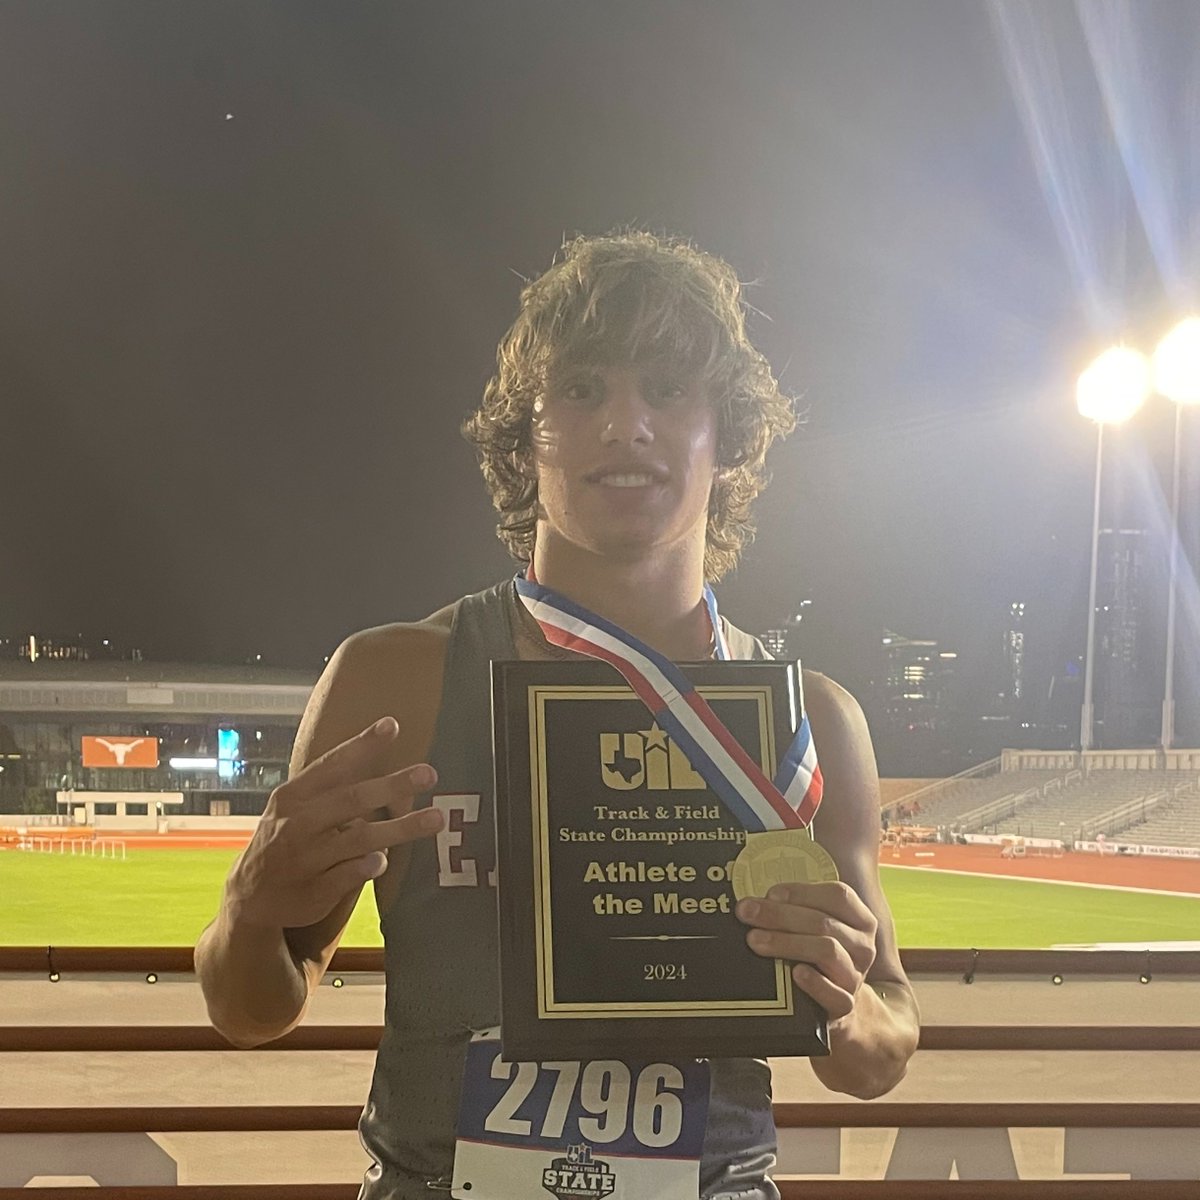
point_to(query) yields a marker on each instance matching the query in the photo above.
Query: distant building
(911, 683)
(777, 642)
(1013, 689)
(1058, 726)
(783, 639)
(34, 647)
(915, 722)
(219, 736)
(1003, 701)
(1126, 677)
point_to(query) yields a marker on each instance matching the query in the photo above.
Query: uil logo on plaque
(648, 759)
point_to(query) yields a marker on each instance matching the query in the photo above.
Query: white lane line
(1105, 887)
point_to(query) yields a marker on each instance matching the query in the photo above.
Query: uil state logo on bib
(579, 1175)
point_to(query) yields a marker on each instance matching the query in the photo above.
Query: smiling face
(627, 298)
(625, 458)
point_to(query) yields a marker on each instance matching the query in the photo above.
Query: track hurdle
(113, 848)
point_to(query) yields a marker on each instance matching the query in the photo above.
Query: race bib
(622, 1130)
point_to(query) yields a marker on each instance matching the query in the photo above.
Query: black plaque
(617, 931)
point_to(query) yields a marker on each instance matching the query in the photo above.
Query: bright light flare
(1177, 363)
(1115, 386)
(192, 764)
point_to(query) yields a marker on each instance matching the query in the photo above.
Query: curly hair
(625, 297)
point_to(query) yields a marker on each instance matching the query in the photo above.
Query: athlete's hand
(317, 842)
(824, 929)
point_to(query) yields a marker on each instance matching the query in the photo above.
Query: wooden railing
(136, 1038)
(262, 1118)
(819, 1189)
(177, 960)
(970, 965)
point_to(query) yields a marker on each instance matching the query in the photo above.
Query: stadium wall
(1140, 759)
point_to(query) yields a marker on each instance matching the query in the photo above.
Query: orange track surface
(1113, 870)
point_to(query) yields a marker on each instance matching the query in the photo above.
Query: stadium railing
(932, 791)
(969, 964)
(369, 960)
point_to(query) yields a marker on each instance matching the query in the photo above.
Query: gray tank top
(440, 955)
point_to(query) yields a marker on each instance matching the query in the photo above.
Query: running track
(1113, 870)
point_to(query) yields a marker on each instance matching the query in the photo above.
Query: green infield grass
(166, 897)
(152, 898)
(942, 909)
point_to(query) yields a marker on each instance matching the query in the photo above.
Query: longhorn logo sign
(113, 751)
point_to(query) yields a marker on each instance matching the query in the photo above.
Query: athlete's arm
(323, 834)
(840, 936)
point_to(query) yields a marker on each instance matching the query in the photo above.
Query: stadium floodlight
(1177, 363)
(1110, 391)
(1115, 386)
(1176, 376)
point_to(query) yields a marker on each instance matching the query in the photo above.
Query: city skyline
(964, 710)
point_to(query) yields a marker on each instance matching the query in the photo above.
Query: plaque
(616, 872)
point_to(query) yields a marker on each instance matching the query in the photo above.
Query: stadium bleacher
(1176, 822)
(948, 804)
(1141, 806)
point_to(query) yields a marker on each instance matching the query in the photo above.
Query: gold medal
(779, 856)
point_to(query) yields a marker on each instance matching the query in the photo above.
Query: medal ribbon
(790, 801)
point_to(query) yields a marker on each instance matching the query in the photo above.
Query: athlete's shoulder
(842, 738)
(398, 639)
(388, 670)
(830, 699)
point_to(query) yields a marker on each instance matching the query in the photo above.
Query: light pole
(1176, 376)
(1110, 391)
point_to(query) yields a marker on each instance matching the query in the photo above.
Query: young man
(623, 439)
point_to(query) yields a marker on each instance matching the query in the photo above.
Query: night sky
(257, 257)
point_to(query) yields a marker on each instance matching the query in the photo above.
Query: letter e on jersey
(461, 813)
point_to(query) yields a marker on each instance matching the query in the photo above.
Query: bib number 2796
(610, 1101)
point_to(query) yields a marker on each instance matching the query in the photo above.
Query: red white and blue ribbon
(788, 802)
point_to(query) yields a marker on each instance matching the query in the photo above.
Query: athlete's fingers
(790, 926)
(352, 760)
(815, 914)
(828, 954)
(836, 1001)
(345, 877)
(790, 918)
(362, 838)
(396, 791)
(836, 898)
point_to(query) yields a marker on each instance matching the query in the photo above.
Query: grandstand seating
(1152, 807)
(957, 797)
(1079, 809)
(1175, 823)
